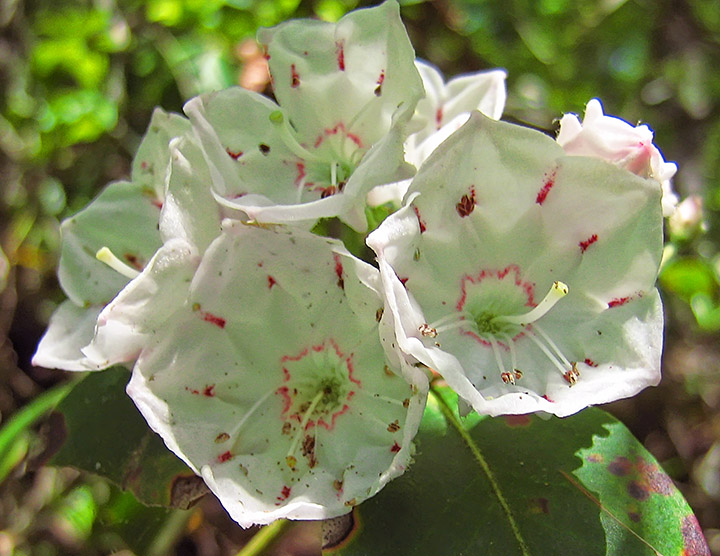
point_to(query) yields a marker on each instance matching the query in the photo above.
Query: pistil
(556, 293)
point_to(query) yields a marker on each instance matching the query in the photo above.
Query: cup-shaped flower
(445, 108)
(523, 276)
(271, 381)
(127, 223)
(617, 141)
(345, 92)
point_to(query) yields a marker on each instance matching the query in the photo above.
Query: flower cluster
(291, 375)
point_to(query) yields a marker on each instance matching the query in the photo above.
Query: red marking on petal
(587, 243)
(438, 117)
(395, 448)
(590, 362)
(547, 186)
(213, 319)
(225, 456)
(284, 495)
(209, 391)
(545, 397)
(143, 165)
(340, 55)
(157, 204)
(403, 281)
(300, 173)
(284, 393)
(339, 271)
(420, 222)
(295, 77)
(286, 374)
(192, 391)
(381, 79)
(618, 301)
(133, 261)
(355, 139)
(467, 204)
(234, 154)
(271, 281)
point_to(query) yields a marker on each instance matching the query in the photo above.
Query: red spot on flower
(547, 186)
(340, 55)
(403, 281)
(157, 204)
(295, 77)
(234, 154)
(214, 319)
(545, 397)
(590, 363)
(133, 261)
(381, 79)
(143, 165)
(467, 204)
(587, 243)
(395, 448)
(225, 456)
(192, 391)
(209, 391)
(284, 393)
(618, 301)
(339, 271)
(271, 281)
(300, 173)
(338, 128)
(438, 117)
(284, 494)
(420, 222)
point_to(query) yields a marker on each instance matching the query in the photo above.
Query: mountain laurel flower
(345, 93)
(445, 108)
(523, 276)
(271, 382)
(123, 219)
(617, 141)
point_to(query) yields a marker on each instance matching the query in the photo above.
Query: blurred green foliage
(79, 80)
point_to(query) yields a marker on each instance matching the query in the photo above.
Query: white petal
(71, 328)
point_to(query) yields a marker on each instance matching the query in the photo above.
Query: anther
(106, 256)
(572, 375)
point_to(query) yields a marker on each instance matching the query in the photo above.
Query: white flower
(345, 93)
(445, 108)
(615, 140)
(270, 380)
(128, 223)
(526, 278)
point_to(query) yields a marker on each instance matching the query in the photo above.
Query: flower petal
(283, 412)
(70, 329)
(152, 157)
(354, 73)
(124, 218)
(143, 305)
(190, 211)
(492, 220)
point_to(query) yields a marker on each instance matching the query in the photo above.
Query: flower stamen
(290, 459)
(106, 256)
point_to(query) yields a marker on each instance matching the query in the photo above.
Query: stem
(264, 538)
(450, 416)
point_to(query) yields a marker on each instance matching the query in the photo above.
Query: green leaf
(527, 486)
(106, 435)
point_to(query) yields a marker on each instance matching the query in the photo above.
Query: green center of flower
(317, 388)
(492, 309)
